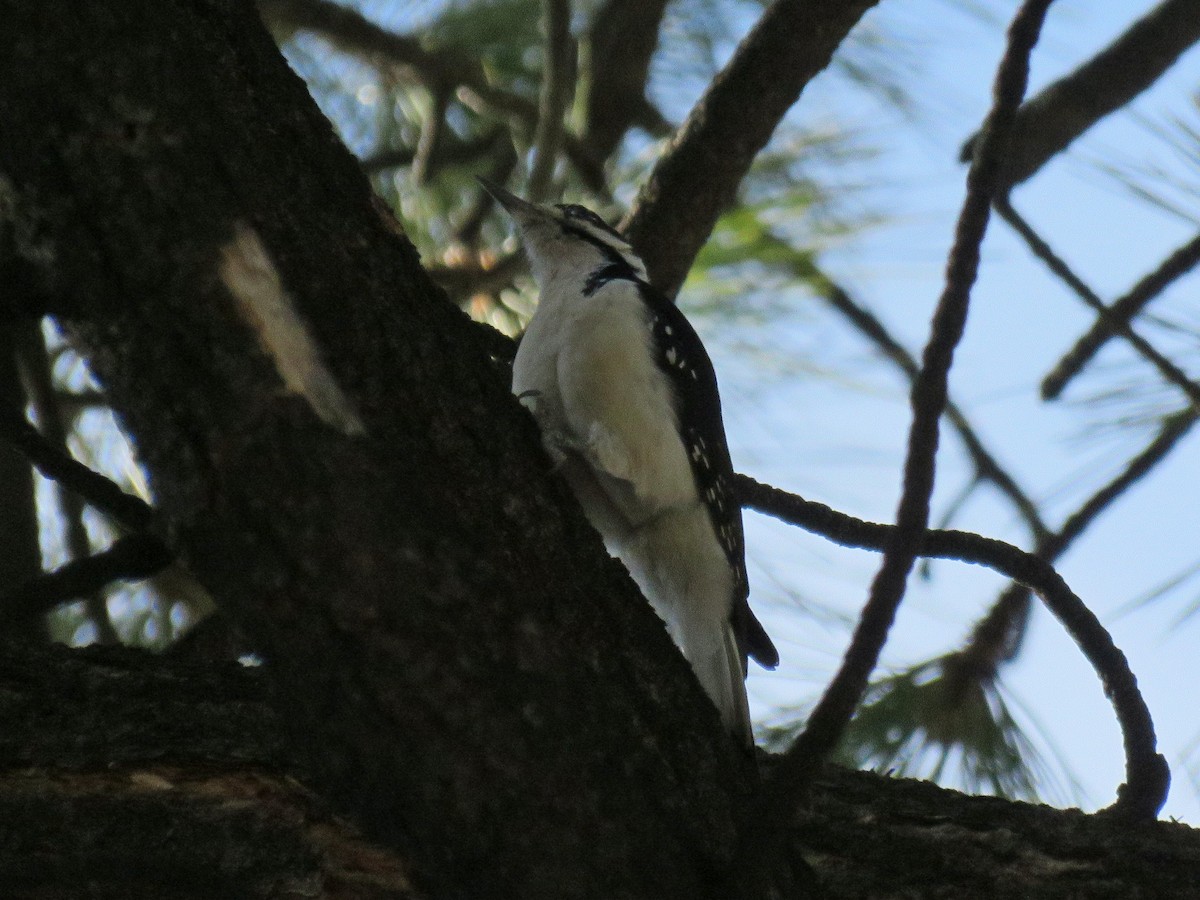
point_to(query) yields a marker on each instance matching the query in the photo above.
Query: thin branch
(833, 711)
(44, 400)
(1173, 430)
(132, 512)
(1048, 123)
(353, 33)
(1122, 310)
(697, 178)
(1146, 772)
(986, 465)
(462, 281)
(450, 151)
(503, 164)
(558, 86)
(433, 130)
(131, 557)
(1058, 266)
(995, 638)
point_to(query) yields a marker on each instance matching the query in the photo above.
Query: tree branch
(132, 557)
(624, 35)
(450, 151)
(986, 465)
(128, 775)
(55, 464)
(1043, 251)
(558, 86)
(993, 640)
(833, 711)
(1146, 773)
(451, 648)
(1121, 312)
(20, 551)
(1048, 123)
(353, 33)
(44, 401)
(697, 178)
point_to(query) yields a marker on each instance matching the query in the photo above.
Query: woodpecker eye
(583, 214)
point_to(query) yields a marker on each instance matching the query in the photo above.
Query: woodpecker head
(565, 241)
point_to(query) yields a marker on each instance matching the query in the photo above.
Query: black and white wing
(682, 357)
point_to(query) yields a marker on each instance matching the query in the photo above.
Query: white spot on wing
(249, 275)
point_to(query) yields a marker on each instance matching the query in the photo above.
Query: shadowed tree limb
(1048, 123)
(1146, 773)
(180, 769)
(352, 32)
(433, 131)
(434, 608)
(20, 552)
(132, 557)
(623, 37)
(1122, 310)
(102, 493)
(833, 711)
(696, 179)
(450, 151)
(50, 422)
(558, 86)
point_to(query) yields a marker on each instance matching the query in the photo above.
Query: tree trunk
(342, 466)
(20, 549)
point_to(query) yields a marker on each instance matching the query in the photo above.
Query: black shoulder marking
(613, 270)
(682, 357)
(582, 213)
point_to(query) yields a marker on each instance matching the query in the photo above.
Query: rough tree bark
(340, 464)
(125, 776)
(333, 454)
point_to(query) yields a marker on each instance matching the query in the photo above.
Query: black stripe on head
(618, 264)
(583, 214)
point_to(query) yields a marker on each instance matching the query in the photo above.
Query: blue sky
(843, 445)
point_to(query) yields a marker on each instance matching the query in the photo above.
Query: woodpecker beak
(522, 211)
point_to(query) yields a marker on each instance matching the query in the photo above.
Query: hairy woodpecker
(626, 400)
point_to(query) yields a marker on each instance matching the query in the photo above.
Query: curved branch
(697, 178)
(994, 638)
(833, 711)
(1146, 772)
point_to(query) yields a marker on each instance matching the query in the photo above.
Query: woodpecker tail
(721, 675)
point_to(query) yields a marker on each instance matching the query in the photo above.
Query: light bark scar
(249, 275)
